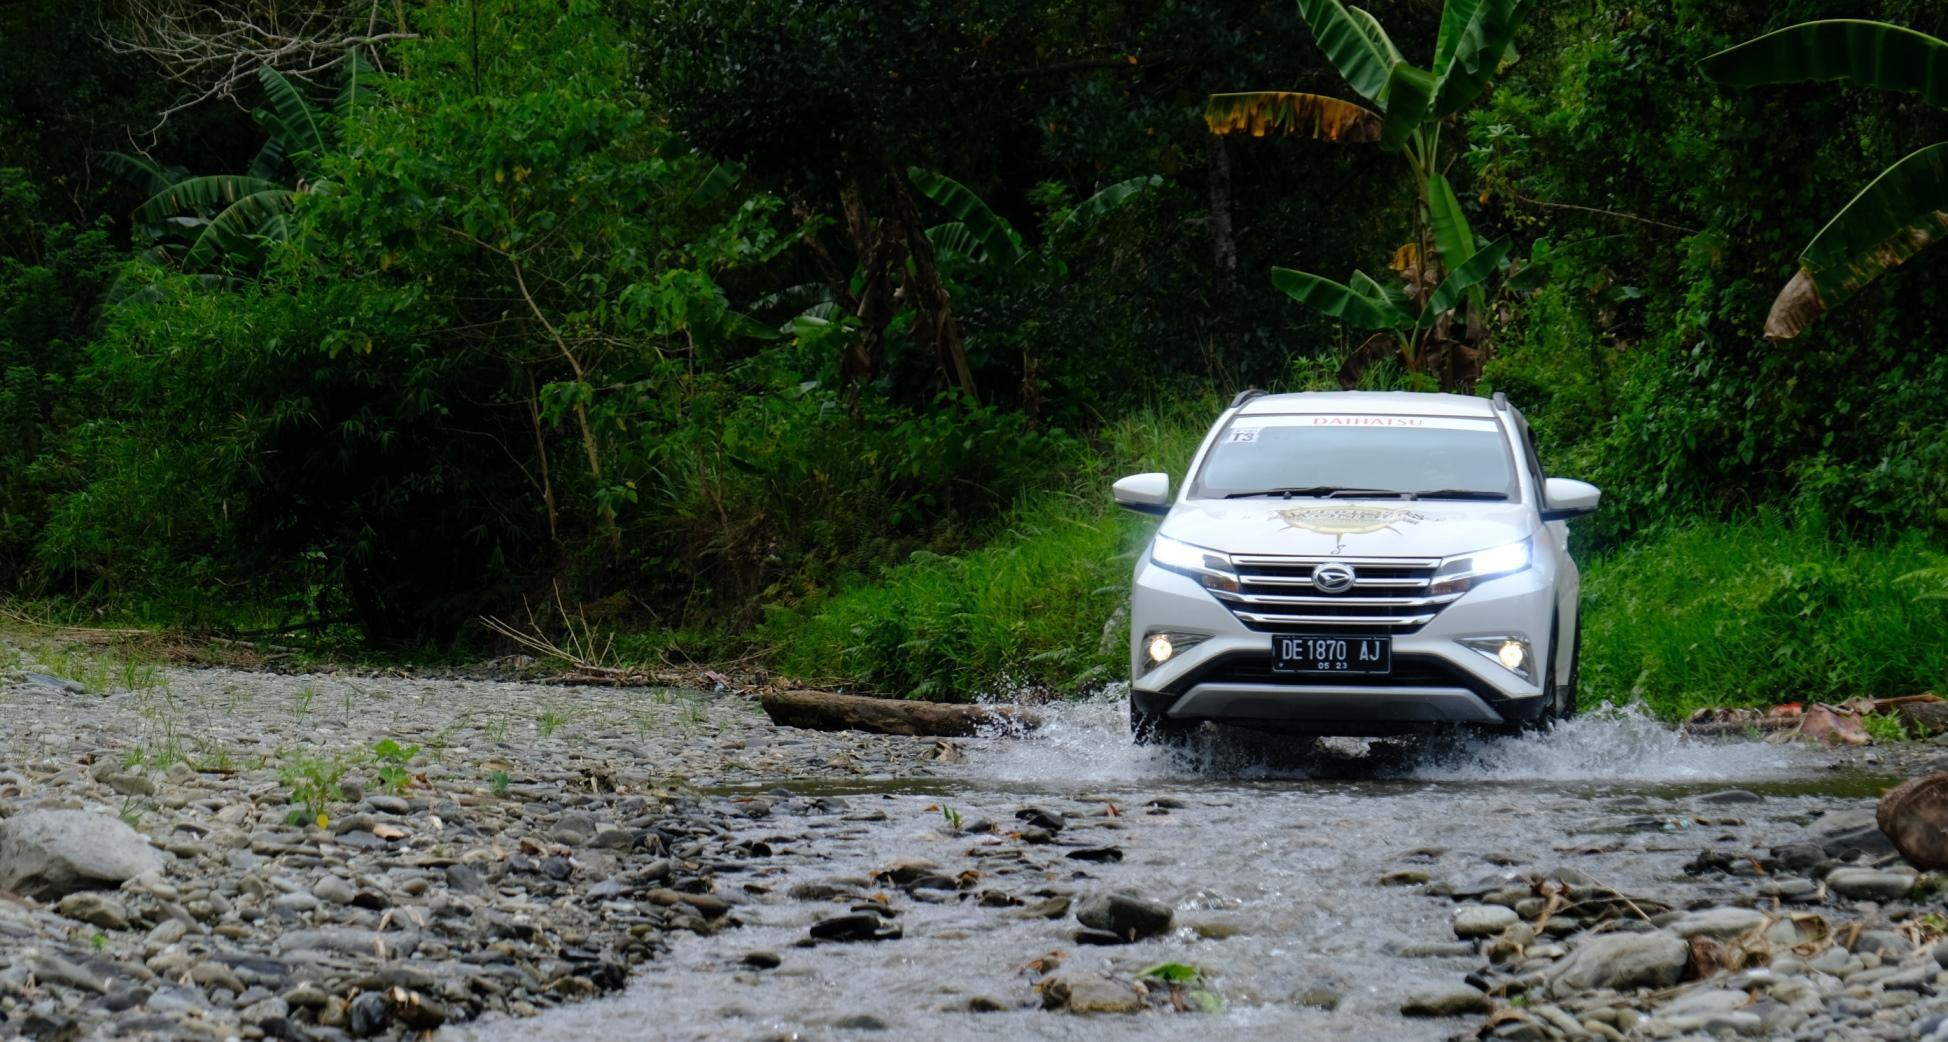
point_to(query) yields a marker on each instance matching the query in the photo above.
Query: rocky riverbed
(226, 854)
(210, 853)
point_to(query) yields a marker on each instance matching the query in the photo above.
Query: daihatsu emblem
(1332, 578)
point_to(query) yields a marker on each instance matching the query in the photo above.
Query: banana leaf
(1092, 209)
(1340, 301)
(1408, 93)
(995, 235)
(1902, 212)
(1288, 112)
(1474, 38)
(1871, 54)
(1348, 46)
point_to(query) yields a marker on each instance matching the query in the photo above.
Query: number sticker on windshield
(1243, 434)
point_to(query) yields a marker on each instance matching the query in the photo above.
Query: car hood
(1353, 527)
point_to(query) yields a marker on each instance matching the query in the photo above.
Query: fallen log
(824, 711)
(1914, 814)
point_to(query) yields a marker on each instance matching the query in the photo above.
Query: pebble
(1449, 1002)
(1483, 920)
(1867, 884)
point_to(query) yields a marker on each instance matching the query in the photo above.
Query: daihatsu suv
(1356, 563)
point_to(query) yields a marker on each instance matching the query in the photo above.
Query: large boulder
(48, 854)
(1620, 961)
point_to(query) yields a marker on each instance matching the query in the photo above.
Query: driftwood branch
(823, 711)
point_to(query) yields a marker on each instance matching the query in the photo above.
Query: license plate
(1296, 653)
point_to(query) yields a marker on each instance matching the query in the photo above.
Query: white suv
(1355, 563)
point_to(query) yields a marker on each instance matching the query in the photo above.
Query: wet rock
(1091, 993)
(761, 960)
(1450, 1002)
(1099, 937)
(1724, 796)
(1717, 923)
(1096, 854)
(856, 926)
(1042, 818)
(1867, 884)
(1620, 961)
(95, 909)
(1125, 915)
(1052, 908)
(1483, 920)
(1844, 832)
(901, 871)
(1404, 877)
(50, 853)
(1317, 998)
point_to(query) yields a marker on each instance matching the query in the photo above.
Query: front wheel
(1157, 729)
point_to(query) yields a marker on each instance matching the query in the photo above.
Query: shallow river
(1277, 858)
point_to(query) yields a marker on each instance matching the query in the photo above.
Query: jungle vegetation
(811, 333)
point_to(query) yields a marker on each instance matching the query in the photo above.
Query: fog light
(1160, 649)
(1512, 655)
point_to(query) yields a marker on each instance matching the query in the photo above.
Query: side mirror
(1144, 493)
(1564, 498)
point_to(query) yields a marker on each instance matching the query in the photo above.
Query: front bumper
(1435, 681)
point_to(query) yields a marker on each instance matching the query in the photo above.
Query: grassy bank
(1758, 612)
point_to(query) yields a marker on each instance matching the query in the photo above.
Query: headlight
(1458, 575)
(1208, 567)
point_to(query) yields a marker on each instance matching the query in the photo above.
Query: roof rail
(1501, 401)
(1246, 395)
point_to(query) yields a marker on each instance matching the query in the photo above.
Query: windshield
(1349, 456)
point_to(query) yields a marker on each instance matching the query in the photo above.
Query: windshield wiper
(1317, 492)
(1458, 493)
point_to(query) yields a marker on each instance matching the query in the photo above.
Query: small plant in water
(952, 816)
(1188, 989)
(500, 781)
(550, 721)
(301, 705)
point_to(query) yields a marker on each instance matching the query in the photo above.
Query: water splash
(1088, 743)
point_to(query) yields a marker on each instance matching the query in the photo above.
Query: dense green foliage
(644, 307)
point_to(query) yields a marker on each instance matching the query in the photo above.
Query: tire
(1553, 711)
(1569, 697)
(1157, 729)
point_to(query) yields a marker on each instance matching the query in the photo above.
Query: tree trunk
(937, 325)
(822, 711)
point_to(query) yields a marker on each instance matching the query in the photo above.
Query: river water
(1271, 859)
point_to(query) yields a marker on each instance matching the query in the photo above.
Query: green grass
(1025, 612)
(1759, 612)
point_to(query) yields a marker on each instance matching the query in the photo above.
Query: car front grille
(1388, 595)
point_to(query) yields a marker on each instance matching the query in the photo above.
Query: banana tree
(1416, 322)
(1901, 211)
(212, 222)
(980, 236)
(1405, 107)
